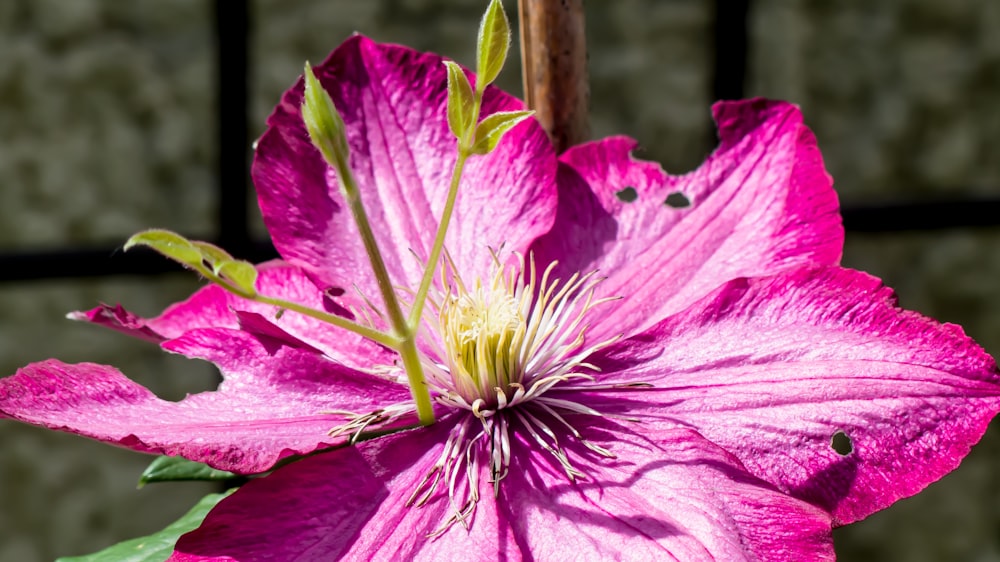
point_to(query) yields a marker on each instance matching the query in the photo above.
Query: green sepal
(492, 45)
(241, 274)
(170, 244)
(461, 102)
(158, 546)
(172, 469)
(493, 128)
(323, 122)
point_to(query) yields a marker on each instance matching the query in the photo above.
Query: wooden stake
(554, 59)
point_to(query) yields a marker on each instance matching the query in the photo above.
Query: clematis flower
(614, 376)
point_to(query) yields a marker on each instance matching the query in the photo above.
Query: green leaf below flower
(157, 546)
(173, 469)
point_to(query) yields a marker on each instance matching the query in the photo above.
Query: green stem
(425, 283)
(404, 344)
(406, 335)
(393, 310)
(464, 147)
(415, 377)
(388, 340)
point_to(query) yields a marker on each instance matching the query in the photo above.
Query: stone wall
(106, 119)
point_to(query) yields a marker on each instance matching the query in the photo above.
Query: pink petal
(119, 319)
(669, 495)
(773, 369)
(275, 402)
(675, 496)
(393, 103)
(213, 307)
(347, 503)
(760, 204)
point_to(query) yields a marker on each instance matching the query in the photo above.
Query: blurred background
(118, 116)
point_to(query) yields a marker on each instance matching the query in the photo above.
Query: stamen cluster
(509, 340)
(500, 347)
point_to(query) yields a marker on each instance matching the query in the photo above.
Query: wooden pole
(554, 62)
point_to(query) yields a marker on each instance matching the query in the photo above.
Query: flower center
(496, 349)
(483, 332)
(507, 340)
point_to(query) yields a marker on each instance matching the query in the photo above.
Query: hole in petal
(842, 444)
(677, 200)
(627, 195)
(334, 307)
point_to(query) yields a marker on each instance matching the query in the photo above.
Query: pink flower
(614, 377)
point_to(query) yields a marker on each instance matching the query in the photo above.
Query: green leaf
(211, 253)
(323, 122)
(170, 244)
(461, 102)
(240, 273)
(158, 546)
(492, 45)
(171, 469)
(493, 128)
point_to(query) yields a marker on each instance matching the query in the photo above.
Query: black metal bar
(94, 262)
(100, 262)
(926, 216)
(731, 49)
(232, 30)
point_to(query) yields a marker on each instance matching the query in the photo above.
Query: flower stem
(404, 344)
(327, 131)
(425, 283)
(389, 340)
(402, 330)
(464, 151)
(415, 377)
